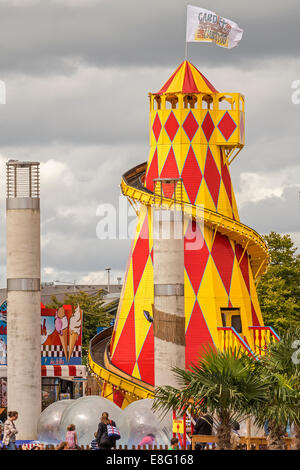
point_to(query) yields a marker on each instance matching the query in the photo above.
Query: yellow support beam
(246, 246)
(240, 233)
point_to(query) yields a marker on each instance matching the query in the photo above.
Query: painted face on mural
(61, 312)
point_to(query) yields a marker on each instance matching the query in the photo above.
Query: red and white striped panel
(64, 371)
(30, 446)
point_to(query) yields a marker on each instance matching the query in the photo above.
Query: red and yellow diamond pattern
(188, 143)
(188, 150)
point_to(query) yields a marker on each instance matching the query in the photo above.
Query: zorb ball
(85, 414)
(48, 428)
(146, 427)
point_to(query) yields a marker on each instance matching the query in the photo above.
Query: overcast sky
(78, 73)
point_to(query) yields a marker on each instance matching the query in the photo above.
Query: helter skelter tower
(195, 134)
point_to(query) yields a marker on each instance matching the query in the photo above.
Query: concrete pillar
(168, 311)
(23, 296)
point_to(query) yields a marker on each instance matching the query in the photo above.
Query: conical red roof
(187, 79)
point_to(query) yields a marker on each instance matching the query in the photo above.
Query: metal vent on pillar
(22, 184)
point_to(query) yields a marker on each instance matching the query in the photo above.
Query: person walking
(174, 444)
(235, 438)
(203, 426)
(10, 431)
(104, 441)
(71, 437)
(94, 443)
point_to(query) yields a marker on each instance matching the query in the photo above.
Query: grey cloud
(77, 82)
(84, 255)
(279, 214)
(70, 196)
(90, 107)
(110, 106)
(46, 37)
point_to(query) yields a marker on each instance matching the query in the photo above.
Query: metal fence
(208, 443)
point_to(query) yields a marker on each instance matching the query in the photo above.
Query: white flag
(206, 26)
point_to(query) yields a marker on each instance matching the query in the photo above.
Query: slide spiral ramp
(195, 134)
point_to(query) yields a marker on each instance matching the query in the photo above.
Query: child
(94, 443)
(235, 438)
(174, 444)
(148, 440)
(71, 437)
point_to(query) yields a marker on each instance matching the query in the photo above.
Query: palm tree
(225, 382)
(282, 374)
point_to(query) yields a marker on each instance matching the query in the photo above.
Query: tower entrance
(231, 317)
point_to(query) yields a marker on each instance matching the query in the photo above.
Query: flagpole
(186, 44)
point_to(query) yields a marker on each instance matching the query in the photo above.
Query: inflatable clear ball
(85, 414)
(48, 428)
(146, 427)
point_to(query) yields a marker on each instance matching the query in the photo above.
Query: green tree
(279, 288)
(280, 369)
(224, 382)
(234, 387)
(54, 303)
(93, 313)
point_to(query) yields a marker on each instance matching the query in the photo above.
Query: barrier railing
(262, 337)
(230, 340)
(246, 443)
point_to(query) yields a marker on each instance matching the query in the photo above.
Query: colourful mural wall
(61, 336)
